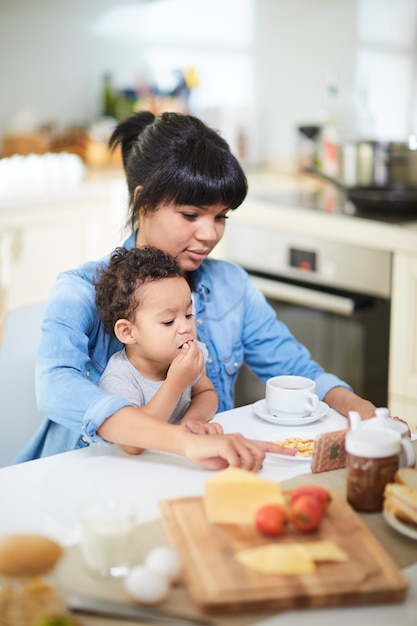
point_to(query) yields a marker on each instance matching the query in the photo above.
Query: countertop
(94, 183)
(271, 204)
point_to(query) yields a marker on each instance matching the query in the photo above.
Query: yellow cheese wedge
(234, 495)
(291, 558)
(325, 550)
(278, 559)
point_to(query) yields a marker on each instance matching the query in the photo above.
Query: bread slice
(401, 500)
(406, 476)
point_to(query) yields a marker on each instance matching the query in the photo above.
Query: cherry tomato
(271, 519)
(317, 491)
(306, 513)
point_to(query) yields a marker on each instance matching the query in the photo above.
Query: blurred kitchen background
(299, 88)
(256, 69)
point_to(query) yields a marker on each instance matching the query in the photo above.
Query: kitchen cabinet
(43, 235)
(403, 339)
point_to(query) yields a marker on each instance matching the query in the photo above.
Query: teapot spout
(355, 420)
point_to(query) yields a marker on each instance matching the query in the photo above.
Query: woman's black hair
(176, 158)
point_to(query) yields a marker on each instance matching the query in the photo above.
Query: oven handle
(304, 297)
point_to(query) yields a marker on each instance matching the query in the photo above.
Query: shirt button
(236, 364)
(209, 360)
(84, 439)
(199, 321)
(87, 373)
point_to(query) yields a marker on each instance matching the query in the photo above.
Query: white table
(44, 496)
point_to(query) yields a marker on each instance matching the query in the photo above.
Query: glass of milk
(107, 535)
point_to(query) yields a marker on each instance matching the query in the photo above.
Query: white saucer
(261, 410)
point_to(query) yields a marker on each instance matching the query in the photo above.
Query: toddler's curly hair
(117, 286)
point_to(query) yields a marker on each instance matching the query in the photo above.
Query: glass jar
(372, 460)
(27, 601)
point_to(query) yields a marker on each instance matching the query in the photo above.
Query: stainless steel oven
(335, 299)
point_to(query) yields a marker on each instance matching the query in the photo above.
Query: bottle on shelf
(108, 96)
(330, 136)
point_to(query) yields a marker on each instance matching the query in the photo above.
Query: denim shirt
(233, 319)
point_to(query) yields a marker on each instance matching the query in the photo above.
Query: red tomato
(306, 513)
(271, 519)
(317, 491)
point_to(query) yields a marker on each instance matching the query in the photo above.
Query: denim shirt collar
(131, 240)
(202, 283)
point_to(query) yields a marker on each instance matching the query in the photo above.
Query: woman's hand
(398, 419)
(234, 450)
(277, 449)
(344, 400)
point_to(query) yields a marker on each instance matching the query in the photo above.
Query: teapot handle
(409, 454)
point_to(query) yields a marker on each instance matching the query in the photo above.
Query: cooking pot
(386, 200)
(378, 176)
(378, 163)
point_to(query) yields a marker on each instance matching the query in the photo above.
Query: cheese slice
(291, 558)
(278, 559)
(234, 495)
(325, 550)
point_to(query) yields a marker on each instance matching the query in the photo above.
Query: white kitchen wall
(54, 53)
(386, 64)
(263, 64)
(370, 46)
(297, 45)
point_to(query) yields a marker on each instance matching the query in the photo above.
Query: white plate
(261, 410)
(271, 456)
(409, 530)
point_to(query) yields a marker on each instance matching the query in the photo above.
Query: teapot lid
(382, 418)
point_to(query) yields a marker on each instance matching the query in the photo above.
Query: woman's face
(188, 233)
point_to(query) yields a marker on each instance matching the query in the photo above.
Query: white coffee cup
(107, 535)
(293, 396)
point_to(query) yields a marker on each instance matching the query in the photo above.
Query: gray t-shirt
(121, 378)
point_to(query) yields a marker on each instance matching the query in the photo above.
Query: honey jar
(372, 460)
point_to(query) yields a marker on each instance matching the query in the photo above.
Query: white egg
(166, 562)
(146, 586)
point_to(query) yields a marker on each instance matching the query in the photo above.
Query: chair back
(19, 338)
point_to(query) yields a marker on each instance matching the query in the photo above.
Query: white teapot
(384, 421)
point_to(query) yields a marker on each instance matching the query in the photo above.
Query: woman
(183, 183)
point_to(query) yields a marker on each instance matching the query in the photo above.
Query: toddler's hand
(202, 428)
(187, 365)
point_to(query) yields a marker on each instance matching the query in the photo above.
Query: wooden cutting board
(218, 583)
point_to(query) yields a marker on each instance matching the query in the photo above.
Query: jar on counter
(308, 147)
(372, 460)
(26, 596)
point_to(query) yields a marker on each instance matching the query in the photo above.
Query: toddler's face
(164, 321)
